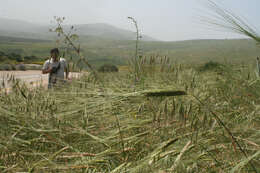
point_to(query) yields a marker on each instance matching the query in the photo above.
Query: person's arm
(66, 70)
(46, 68)
(46, 71)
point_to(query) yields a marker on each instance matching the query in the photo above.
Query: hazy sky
(161, 19)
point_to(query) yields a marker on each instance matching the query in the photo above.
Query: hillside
(206, 50)
(107, 31)
(101, 50)
(6, 39)
(18, 28)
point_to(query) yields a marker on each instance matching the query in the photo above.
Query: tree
(30, 58)
(16, 57)
(108, 68)
(2, 53)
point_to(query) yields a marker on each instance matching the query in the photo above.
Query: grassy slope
(99, 50)
(203, 50)
(111, 126)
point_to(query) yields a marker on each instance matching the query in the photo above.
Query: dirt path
(33, 78)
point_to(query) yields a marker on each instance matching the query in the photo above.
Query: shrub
(13, 67)
(5, 67)
(108, 68)
(211, 66)
(31, 59)
(20, 67)
(2, 53)
(16, 57)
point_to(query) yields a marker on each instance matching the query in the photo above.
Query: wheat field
(173, 118)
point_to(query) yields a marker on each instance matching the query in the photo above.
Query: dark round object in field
(20, 67)
(212, 66)
(108, 68)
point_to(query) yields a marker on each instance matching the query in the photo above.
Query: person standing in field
(56, 67)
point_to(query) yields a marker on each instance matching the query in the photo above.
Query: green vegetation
(171, 120)
(108, 68)
(212, 66)
(198, 115)
(118, 52)
(12, 57)
(7, 67)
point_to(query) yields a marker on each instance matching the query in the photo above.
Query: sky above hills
(168, 20)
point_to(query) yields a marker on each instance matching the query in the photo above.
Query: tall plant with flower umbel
(136, 61)
(68, 39)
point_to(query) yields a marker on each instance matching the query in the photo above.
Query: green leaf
(74, 37)
(59, 30)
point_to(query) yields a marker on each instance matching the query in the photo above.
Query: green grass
(102, 51)
(113, 126)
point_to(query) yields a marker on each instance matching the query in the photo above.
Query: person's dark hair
(55, 50)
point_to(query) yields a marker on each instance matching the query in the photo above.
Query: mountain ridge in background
(98, 51)
(23, 29)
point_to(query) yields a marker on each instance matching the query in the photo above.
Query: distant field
(100, 51)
